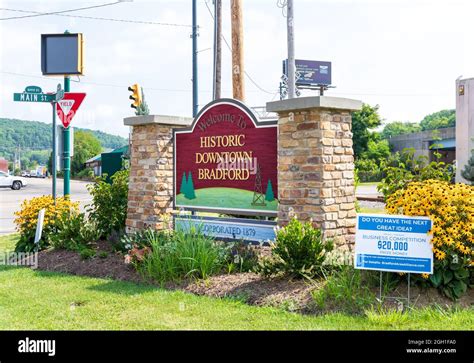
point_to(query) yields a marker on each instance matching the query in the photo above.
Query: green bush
(346, 289)
(468, 171)
(368, 170)
(109, 202)
(73, 232)
(181, 254)
(298, 250)
(242, 257)
(87, 173)
(402, 169)
(142, 239)
(86, 253)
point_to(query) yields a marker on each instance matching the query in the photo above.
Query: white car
(11, 181)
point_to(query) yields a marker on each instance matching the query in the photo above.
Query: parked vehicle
(11, 181)
(25, 174)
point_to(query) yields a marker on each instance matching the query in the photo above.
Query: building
(464, 124)
(108, 163)
(427, 142)
(95, 163)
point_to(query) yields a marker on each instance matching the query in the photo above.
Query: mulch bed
(293, 295)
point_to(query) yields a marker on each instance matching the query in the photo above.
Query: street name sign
(394, 243)
(67, 107)
(34, 97)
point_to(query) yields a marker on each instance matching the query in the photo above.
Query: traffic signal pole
(67, 147)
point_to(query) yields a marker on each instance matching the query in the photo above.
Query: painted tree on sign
(184, 184)
(269, 196)
(190, 194)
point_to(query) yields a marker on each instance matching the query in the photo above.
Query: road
(10, 200)
(367, 190)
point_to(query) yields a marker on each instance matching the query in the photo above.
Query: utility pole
(291, 49)
(195, 65)
(217, 49)
(238, 72)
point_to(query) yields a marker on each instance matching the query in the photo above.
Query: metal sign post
(54, 157)
(67, 148)
(395, 297)
(35, 94)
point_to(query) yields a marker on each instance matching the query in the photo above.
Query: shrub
(87, 173)
(109, 202)
(451, 209)
(141, 239)
(180, 254)
(468, 171)
(86, 253)
(298, 250)
(368, 170)
(404, 168)
(242, 257)
(27, 218)
(73, 232)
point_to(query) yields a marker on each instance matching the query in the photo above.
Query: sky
(402, 55)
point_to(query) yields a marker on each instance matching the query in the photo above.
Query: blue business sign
(394, 243)
(310, 73)
(232, 229)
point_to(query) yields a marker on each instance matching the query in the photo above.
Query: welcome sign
(227, 161)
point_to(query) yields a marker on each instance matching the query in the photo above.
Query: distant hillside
(34, 135)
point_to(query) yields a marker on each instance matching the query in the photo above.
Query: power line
(230, 48)
(94, 17)
(103, 84)
(37, 13)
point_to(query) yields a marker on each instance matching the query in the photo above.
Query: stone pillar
(150, 194)
(316, 164)
(464, 125)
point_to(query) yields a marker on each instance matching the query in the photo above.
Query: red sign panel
(67, 107)
(227, 161)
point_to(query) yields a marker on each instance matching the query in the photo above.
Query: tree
(269, 196)
(142, 108)
(184, 184)
(399, 128)
(468, 171)
(438, 120)
(376, 150)
(362, 122)
(190, 194)
(86, 145)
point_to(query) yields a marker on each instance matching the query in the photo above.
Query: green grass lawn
(224, 198)
(36, 300)
(373, 210)
(369, 183)
(7, 243)
(43, 300)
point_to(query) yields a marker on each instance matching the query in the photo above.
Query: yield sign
(67, 107)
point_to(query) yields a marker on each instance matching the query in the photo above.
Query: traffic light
(136, 95)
